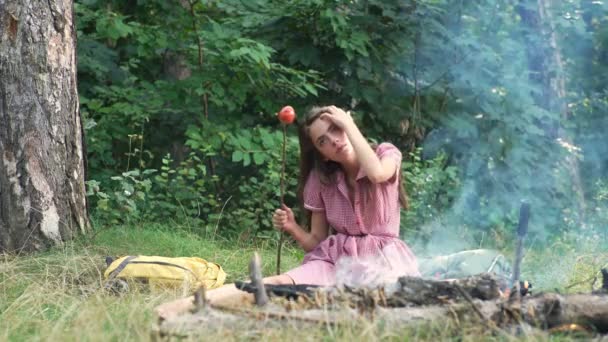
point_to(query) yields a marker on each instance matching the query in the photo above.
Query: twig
(590, 279)
(468, 298)
(486, 321)
(220, 216)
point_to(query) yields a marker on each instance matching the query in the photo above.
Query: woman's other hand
(283, 219)
(338, 117)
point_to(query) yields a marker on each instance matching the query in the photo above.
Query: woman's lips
(341, 148)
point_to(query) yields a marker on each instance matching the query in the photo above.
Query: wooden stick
(282, 237)
(255, 272)
(200, 299)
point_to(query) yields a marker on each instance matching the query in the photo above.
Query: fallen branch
(415, 301)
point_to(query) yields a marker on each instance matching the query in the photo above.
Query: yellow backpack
(161, 272)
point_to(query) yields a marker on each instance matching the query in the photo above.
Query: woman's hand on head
(283, 219)
(337, 116)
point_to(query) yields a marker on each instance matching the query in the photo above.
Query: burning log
(419, 291)
(551, 312)
(408, 291)
(410, 301)
(418, 301)
(545, 311)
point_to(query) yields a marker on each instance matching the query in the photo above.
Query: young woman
(347, 185)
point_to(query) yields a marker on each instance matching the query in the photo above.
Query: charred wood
(419, 291)
(549, 312)
(408, 291)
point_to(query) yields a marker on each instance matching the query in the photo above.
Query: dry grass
(57, 296)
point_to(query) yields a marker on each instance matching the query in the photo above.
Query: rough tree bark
(42, 162)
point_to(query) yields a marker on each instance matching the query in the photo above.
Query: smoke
(374, 271)
(510, 129)
(510, 139)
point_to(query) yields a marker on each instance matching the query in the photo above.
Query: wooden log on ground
(248, 320)
(419, 291)
(412, 301)
(407, 291)
(551, 310)
(544, 311)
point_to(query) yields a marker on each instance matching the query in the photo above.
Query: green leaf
(246, 159)
(237, 156)
(258, 158)
(267, 141)
(310, 88)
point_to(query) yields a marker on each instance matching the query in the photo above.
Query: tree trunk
(42, 165)
(557, 84)
(547, 69)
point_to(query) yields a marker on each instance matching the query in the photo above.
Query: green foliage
(200, 82)
(141, 73)
(249, 161)
(434, 186)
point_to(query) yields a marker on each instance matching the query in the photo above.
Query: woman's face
(330, 140)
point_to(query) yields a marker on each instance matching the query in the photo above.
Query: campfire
(500, 303)
(410, 301)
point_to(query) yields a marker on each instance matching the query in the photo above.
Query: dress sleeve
(388, 150)
(312, 193)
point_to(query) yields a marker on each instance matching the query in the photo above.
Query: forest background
(491, 103)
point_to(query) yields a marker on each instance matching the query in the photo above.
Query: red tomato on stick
(287, 115)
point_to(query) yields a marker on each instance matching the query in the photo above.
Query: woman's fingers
(336, 116)
(283, 218)
(288, 211)
(326, 117)
(279, 219)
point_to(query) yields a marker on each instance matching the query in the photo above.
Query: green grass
(57, 296)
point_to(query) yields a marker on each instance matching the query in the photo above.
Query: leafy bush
(432, 186)
(237, 197)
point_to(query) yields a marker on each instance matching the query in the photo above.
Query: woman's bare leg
(226, 295)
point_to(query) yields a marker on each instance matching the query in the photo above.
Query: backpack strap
(117, 270)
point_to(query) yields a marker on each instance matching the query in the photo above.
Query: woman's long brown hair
(311, 158)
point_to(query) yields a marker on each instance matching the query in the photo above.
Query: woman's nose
(334, 138)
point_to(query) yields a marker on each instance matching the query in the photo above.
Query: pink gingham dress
(363, 229)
